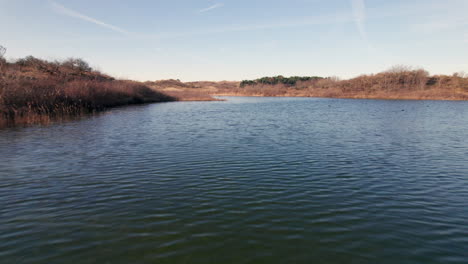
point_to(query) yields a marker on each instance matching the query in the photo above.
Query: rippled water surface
(248, 180)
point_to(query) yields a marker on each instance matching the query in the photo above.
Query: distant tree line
(288, 81)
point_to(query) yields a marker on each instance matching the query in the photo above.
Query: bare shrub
(399, 68)
(2, 59)
(461, 74)
(78, 64)
(2, 51)
(30, 61)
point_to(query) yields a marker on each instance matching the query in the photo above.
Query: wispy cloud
(359, 14)
(217, 5)
(72, 13)
(306, 21)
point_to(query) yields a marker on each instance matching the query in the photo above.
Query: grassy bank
(38, 91)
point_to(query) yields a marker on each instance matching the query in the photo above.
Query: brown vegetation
(33, 90)
(37, 91)
(399, 82)
(191, 91)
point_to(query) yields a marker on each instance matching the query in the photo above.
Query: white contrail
(359, 14)
(68, 12)
(218, 5)
(306, 21)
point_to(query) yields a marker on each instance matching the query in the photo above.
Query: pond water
(247, 180)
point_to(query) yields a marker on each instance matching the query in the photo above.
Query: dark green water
(249, 180)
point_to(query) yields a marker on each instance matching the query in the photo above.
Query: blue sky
(240, 39)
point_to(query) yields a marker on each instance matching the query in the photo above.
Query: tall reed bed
(28, 96)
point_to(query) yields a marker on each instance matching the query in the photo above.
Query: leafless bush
(2, 59)
(2, 51)
(461, 74)
(400, 68)
(79, 64)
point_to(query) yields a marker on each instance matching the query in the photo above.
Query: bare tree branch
(2, 51)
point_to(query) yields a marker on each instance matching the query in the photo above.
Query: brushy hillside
(397, 83)
(192, 91)
(37, 91)
(400, 82)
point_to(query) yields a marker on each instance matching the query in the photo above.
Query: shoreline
(345, 97)
(36, 91)
(44, 119)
